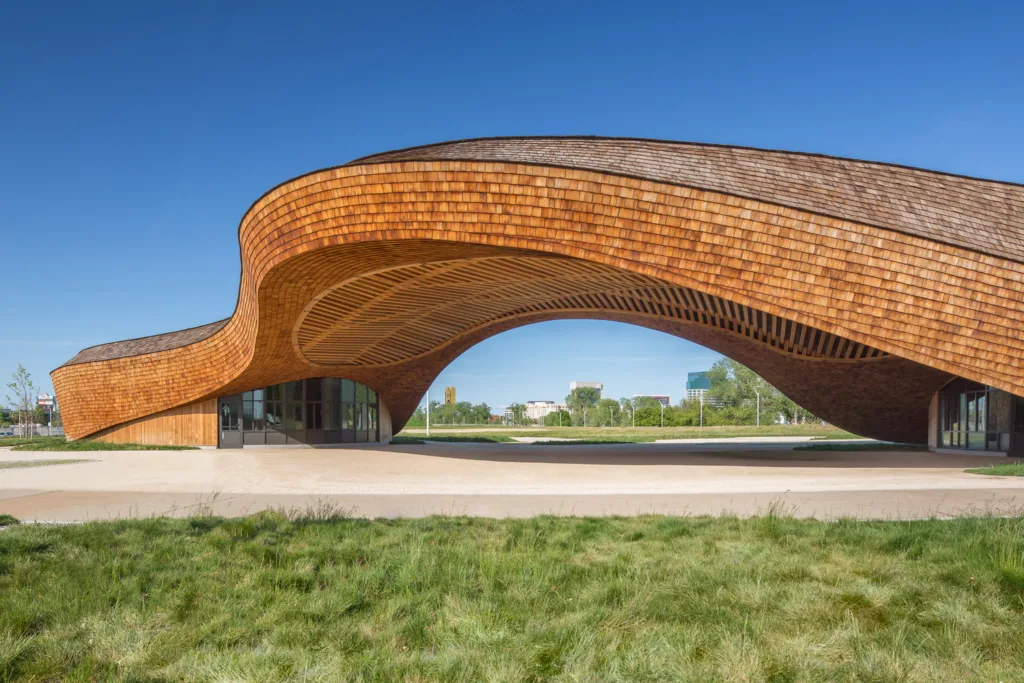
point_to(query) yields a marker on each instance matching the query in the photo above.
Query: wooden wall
(194, 424)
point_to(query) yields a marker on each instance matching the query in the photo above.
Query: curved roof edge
(934, 205)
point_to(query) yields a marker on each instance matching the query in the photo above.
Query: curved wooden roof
(986, 216)
(982, 215)
(816, 272)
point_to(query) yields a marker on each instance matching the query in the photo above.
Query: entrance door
(230, 407)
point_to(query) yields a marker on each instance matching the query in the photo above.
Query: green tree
(580, 402)
(22, 398)
(517, 414)
(558, 418)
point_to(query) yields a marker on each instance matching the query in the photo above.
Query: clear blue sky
(135, 135)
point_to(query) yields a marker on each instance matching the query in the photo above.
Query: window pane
(371, 395)
(247, 414)
(360, 393)
(274, 393)
(372, 413)
(347, 416)
(361, 416)
(257, 394)
(247, 396)
(294, 390)
(314, 389)
(296, 423)
(275, 416)
(314, 416)
(332, 390)
(348, 390)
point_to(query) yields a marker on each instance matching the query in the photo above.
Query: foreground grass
(1011, 469)
(454, 599)
(870, 446)
(12, 464)
(59, 443)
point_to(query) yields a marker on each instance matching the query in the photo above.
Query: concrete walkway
(508, 480)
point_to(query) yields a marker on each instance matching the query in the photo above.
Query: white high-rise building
(592, 385)
(537, 410)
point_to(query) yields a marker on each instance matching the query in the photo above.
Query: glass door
(229, 409)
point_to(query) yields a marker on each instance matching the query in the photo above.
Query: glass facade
(976, 417)
(321, 410)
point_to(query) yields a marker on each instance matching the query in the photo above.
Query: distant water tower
(449, 396)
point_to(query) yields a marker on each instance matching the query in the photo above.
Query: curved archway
(386, 269)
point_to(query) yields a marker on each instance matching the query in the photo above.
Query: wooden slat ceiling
(398, 314)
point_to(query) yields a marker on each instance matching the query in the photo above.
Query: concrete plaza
(508, 480)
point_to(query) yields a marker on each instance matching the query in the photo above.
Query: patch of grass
(320, 597)
(645, 434)
(8, 520)
(12, 464)
(1010, 469)
(871, 446)
(452, 438)
(59, 443)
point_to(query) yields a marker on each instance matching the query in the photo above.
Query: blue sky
(135, 135)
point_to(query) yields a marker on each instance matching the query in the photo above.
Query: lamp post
(662, 414)
(428, 412)
(758, 406)
(702, 410)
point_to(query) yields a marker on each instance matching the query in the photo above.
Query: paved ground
(509, 480)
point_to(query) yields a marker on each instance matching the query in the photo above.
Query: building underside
(859, 289)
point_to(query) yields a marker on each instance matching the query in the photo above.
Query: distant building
(697, 385)
(538, 410)
(663, 400)
(591, 385)
(449, 396)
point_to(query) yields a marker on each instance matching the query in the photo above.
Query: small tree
(23, 399)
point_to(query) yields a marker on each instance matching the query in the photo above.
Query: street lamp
(702, 409)
(758, 406)
(662, 414)
(428, 412)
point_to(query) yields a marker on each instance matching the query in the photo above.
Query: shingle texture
(981, 215)
(151, 344)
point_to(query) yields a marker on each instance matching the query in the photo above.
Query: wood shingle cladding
(837, 280)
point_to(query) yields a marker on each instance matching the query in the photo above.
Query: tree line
(731, 400)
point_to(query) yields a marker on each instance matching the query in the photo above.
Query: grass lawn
(637, 434)
(1010, 469)
(12, 464)
(59, 443)
(322, 598)
(871, 446)
(451, 438)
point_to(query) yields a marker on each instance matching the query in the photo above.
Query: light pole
(662, 414)
(702, 410)
(758, 406)
(428, 412)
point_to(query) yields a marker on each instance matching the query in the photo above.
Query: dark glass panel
(296, 422)
(372, 413)
(314, 416)
(257, 394)
(361, 416)
(294, 390)
(275, 416)
(347, 416)
(332, 390)
(275, 393)
(247, 396)
(228, 416)
(360, 393)
(371, 395)
(247, 413)
(348, 390)
(314, 389)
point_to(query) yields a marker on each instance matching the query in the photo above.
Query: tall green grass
(316, 596)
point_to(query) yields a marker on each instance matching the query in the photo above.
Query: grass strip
(12, 464)
(1010, 469)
